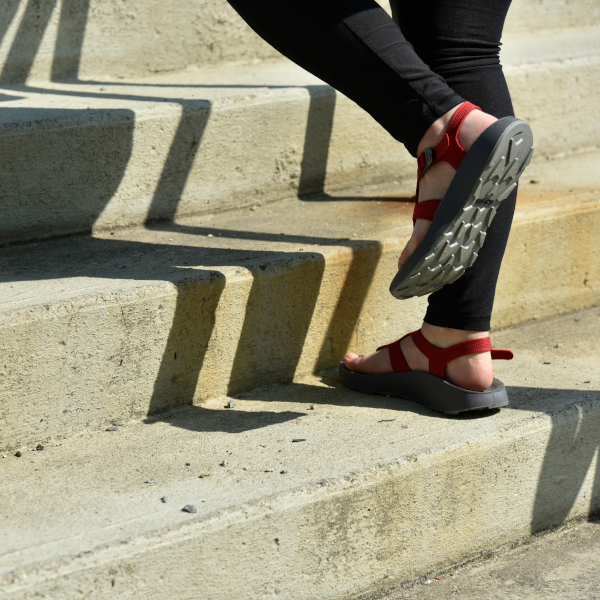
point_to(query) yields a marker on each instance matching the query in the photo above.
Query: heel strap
(440, 357)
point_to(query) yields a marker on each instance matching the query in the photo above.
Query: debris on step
(299, 440)
(223, 464)
(313, 407)
(269, 470)
(202, 475)
(164, 499)
(189, 508)
(39, 447)
(231, 404)
(18, 454)
(113, 428)
(150, 480)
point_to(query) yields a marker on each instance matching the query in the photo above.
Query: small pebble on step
(18, 454)
(223, 464)
(210, 235)
(189, 508)
(39, 447)
(283, 472)
(164, 499)
(313, 407)
(150, 480)
(232, 404)
(269, 470)
(428, 582)
(112, 429)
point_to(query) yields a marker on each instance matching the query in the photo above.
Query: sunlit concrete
(377, 488)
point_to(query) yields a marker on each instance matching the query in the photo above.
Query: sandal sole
(487, 175)
(426, 389)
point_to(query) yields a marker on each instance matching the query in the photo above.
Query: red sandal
(485, 176)
(431, 389)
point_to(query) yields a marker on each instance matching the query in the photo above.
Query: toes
(351, 360)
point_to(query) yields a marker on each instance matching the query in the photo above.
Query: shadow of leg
(32, 28)
(69, 39)
(179, 163)
(345, 320)
(316, 142)
(278, 314)
(566, 470)
(191, 330)
(8, 10)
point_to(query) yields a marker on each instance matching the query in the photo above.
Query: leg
(356, 47)
(460, 40)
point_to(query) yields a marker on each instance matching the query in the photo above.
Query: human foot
(472, 372)
(436, 180)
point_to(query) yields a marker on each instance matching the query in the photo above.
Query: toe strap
(397, 358)
(425, 210)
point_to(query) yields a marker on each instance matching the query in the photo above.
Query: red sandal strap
(397, 357)
(440, 357)
(449, 149)
(425, 210)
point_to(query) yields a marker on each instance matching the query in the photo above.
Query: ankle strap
(440, 357)
(448, 150)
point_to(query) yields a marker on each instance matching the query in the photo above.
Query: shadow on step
(566, 483)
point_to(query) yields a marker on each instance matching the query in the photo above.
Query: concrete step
(558, 565)
(67, 39)
(312, 504)
(112, 153)
(138, 321)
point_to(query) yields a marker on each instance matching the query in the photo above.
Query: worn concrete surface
(67, 39)
(59, 39)
(111, 152)
(561, 565)
(122, 325)
(377, 488)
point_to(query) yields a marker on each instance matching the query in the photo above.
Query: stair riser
(104, 359)
(145, 36)
(411, 518)
(57, 40)
(100, 170)
(120, 168)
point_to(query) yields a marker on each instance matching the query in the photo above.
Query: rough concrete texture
(377, 488)
(97, 155)
(143, 320)
(70, 39)
(561, 565)
(67, 39)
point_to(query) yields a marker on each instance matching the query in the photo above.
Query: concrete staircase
(158, 265)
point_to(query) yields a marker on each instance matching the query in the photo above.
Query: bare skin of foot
(473, 372)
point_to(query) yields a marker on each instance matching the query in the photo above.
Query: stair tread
(89, 490)
(56, 271)
(237, 81)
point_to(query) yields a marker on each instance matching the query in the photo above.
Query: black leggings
(406, 74)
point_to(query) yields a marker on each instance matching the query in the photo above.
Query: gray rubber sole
(427, 389)
(487, 175)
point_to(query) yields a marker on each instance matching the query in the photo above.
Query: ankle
(433, 136)
(475, 123)
(444, 337)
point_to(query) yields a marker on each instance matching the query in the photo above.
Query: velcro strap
(425, 210)
(397, 357)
